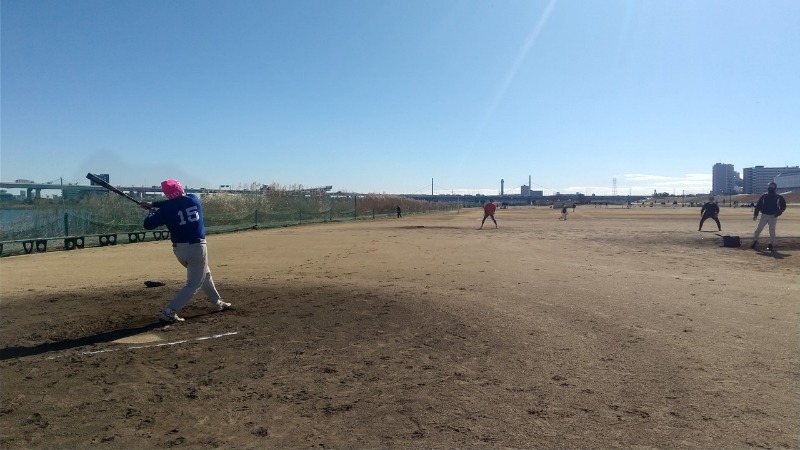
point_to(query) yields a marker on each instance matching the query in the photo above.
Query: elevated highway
(35, 189)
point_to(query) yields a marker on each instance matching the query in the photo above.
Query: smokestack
(529, 182)
(502, 183)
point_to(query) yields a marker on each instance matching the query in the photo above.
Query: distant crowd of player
(770, 206)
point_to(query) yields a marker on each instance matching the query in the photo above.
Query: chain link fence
(48, 224)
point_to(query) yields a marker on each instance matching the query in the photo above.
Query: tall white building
(724, 179)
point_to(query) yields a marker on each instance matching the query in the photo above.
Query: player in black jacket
(770, 205)
(710, 211)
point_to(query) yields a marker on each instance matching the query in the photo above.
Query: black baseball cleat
(754, 245)
(770, 247)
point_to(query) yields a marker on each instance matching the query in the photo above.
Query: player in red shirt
(488, 211)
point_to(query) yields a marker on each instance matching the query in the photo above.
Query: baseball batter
(183, 216)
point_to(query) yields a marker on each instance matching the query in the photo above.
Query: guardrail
(40, 245)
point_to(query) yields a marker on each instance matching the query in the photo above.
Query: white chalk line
(162, 344)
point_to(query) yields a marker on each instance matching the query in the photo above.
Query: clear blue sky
(384, 95)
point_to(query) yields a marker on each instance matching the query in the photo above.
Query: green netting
(111, 214)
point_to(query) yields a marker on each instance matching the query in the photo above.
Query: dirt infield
(616, 328)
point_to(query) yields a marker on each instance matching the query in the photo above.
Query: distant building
(525, 191)
(73, 194)
(725, 180)
(102, 176)
(757, 178)
(788, 181)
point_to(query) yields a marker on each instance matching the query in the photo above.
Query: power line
(421, 189)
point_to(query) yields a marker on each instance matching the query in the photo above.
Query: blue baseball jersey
(183, 217)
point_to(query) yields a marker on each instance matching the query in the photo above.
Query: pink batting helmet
(172, 189)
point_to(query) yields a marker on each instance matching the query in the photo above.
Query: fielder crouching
(183, 216)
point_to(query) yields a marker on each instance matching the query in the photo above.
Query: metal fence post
(66, 224)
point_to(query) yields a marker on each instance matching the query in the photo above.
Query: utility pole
(64, 208)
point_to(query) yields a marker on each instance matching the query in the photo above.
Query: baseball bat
(94, 178)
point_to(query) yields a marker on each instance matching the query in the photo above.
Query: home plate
(143, 338)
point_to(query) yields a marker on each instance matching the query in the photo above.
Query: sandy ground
(616, 328)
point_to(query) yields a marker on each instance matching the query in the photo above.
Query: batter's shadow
(775, 255)
(68, 344)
